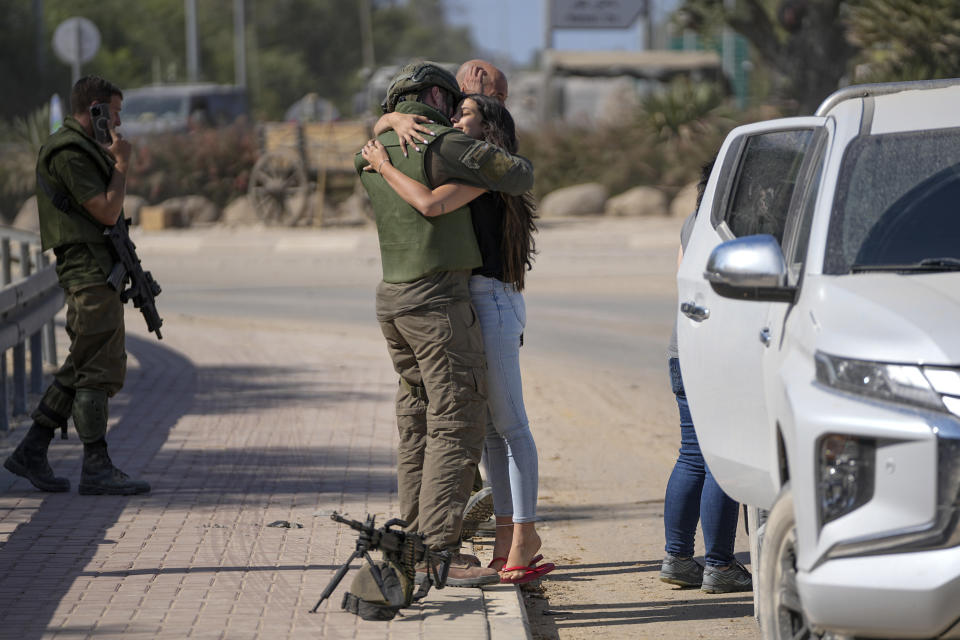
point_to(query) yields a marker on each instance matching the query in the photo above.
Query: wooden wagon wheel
(278, 188)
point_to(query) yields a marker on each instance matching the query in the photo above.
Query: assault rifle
(143, 288)
(400, 548)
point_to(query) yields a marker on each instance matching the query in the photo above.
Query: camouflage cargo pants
(97, 358)
(441, 415)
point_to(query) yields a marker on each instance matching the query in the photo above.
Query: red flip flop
(533, 563)
(529, 573)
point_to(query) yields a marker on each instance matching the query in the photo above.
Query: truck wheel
(781, 613)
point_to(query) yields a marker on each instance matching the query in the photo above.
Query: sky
(513, 29)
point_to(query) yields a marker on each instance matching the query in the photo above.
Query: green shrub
(670, 135)
(214, 163)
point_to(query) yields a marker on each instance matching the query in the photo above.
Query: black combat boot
(29, 460)
(100, 477)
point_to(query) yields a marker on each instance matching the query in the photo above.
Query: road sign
(76, 40)
(595, 14)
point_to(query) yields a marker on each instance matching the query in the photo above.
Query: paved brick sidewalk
(236, 426)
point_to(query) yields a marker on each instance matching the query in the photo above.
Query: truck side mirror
(750, 268)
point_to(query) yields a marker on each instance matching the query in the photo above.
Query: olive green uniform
(432, 332)
(72, 163)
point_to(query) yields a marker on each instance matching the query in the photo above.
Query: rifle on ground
(143, 288)
(400, 549)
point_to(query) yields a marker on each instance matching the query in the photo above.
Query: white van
(174, 108)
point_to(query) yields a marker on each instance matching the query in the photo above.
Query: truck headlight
(844, 474)
(904, 384)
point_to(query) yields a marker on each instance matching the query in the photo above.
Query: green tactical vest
(411, 244)
(56, 227)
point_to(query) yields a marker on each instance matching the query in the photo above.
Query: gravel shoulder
(607, 437)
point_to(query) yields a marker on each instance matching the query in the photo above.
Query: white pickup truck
(820, 346)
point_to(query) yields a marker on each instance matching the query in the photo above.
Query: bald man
(479, 76)
(473, 76)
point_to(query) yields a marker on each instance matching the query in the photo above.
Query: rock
(578, 200)
(639, 201)
(684, 202)
(192, 210)
(239, 213)
(28, 218)
(158, 218)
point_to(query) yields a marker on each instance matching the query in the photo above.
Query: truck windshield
(897, 203)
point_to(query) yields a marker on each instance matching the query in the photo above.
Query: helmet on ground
(414, 78)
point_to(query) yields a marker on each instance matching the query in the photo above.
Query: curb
(505, 613)
(504, 610)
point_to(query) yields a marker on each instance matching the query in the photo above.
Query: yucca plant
(670, 136)
(680, 106)
(20, 141)
(32, 131)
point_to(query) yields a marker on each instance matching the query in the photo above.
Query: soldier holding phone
(81, 177)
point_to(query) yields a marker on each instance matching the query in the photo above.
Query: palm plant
(20, 142)
(677, 109)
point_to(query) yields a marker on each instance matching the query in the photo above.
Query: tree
(28, 63)
(293, 46)
(135, 38)
(803, 42)
(905, 39)
(419, 30)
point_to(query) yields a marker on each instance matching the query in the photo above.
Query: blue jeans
(692, 494)
(510, 453)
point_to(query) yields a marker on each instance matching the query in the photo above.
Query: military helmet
(415, 77)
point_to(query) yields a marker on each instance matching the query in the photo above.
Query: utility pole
(190, 9)
(239, 45)
(41, 38)
(647, 17)
(546, 64)
(728, 60)
(366, 34)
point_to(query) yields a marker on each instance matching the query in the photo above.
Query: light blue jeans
(510, 453)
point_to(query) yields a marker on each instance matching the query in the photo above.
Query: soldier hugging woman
(482, 228)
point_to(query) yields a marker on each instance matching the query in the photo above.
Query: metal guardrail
(27, 308)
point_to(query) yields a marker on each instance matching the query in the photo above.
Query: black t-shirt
(487, 213)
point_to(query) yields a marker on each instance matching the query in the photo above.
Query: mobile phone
(100, 119)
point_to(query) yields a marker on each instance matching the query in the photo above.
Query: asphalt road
(582, 298)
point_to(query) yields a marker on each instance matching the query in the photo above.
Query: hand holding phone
(100, 120)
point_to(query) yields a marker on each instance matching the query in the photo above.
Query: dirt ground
(604, 468)
(607, 440)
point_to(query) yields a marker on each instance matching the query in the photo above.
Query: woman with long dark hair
(504, 226)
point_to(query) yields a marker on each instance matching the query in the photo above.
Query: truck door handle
(765, 336)
(694, 311)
